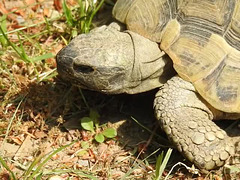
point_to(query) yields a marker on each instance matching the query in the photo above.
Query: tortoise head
(111, 61)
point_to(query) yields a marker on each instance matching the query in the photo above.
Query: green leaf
(82, 152)
(84, 144)
(110, 133)
(74, 33)
(99, 138)
(94, 114)
(232, 169)
(87, 124)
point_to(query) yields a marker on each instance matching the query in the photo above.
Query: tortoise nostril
(82, 68)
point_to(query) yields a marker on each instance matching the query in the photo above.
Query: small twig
(11, 121)
(146, 145)
(84, 99)
(165, 141)
(192, 169)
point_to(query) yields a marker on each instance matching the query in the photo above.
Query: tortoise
(190, 49)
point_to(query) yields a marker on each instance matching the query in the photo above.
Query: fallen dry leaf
(57, 49)
(72, 2)
(9, 149)
(30, 2)
(40, 134)
(4, 176)
(56, 178)
(18, 139)
(55, 157)
(17, 4)
(25, 149)
(142, 148)
(3, 10)
(92, 155)
(85, 135)
(58, 5)
(18, 11)
(46, 12)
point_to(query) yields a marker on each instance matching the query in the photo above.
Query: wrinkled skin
(114, 61)
(111, 61)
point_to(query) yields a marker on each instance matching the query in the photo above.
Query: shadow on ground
(49, 117)
(51, 111)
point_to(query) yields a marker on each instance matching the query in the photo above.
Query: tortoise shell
(202, 37)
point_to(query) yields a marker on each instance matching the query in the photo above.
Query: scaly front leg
(187, 120)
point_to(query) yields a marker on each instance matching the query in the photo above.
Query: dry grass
(40, 114)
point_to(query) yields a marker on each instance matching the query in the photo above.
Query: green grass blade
(163, 164)
(16, 49)
(68, 14)
(42, 57)
(158, 164)
(82, 15)
(84, 99)
(22, 51)
(30, 39)
(80, 173)
(48, 158)
(165, 141)
(39, 177)
(130, 171)
(12, 119)
(47, 75)
(93, 14)
(85, 175)
(33, 164)
(3, 24)
(4, 164)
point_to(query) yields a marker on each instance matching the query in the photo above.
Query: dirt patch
(40, 113)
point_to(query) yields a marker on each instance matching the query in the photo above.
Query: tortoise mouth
(64, 65)
(105, 79)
